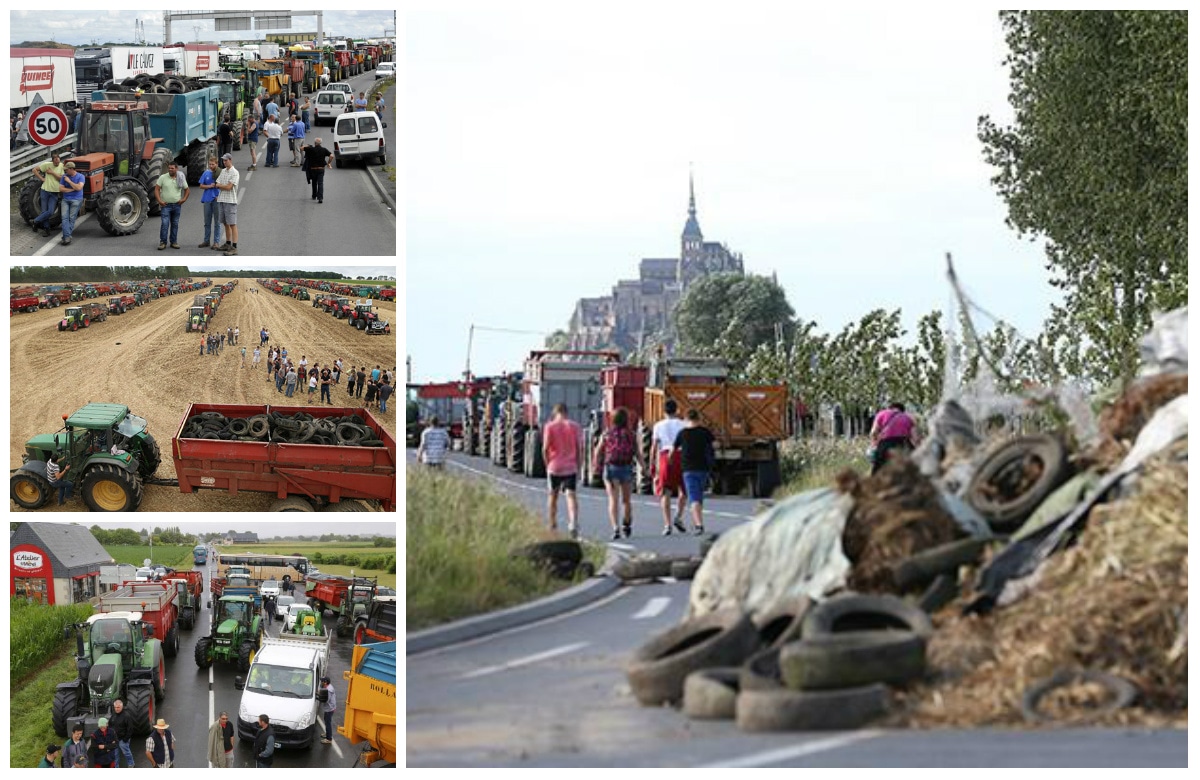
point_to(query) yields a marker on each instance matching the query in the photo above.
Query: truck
(129, 62)
(156, 603)
(345, 597)
(200, 555)
(49, 73)
(24, 303)
(190, 60)
(93, 69)
(369, 709)
(284, 683)
(378, 623)
(235, 635)
(116, 658)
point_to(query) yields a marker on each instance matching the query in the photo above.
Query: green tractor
(237, 634)
(307, 623)
(117, 658)
(304, 296)
(77, 317)
(232, 102)
(109, 451)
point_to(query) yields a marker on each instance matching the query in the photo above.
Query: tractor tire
(659, 668)
(30, 204)
(237, 135)
(643, 479)
(139, 700)
(153, 168)
(66, 702)
(197, 162)
(767, 476)
(122, 208)
(516, 448)
(159, 681)
(86, 322)
(187, 618)
(291, 504)
(591, 475)
(107, 488)
(203, 659)
(245, 656)
(852, 659)
(29, 490)
(537, 463)
(171, 644)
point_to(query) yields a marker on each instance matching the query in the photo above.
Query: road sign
(47, 125)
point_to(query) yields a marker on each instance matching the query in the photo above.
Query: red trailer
(26, 303)
(156, 602)
(623, 386)
(189, 591)
(300, 475)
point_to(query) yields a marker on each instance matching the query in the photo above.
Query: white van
(328, 104)
(283, 683)
(358, 136)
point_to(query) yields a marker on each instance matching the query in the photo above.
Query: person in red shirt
(560, 451)
(892, 430)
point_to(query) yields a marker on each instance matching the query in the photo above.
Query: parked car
(281, 605)
(384, 70)
(289, 620)
(341, 86)
(269, 588)
(328, 105)
(358, 135)
(144, 574)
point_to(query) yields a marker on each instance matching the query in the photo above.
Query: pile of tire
(214, 425)
(303, 428)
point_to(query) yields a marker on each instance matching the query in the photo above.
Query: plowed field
(145, 360)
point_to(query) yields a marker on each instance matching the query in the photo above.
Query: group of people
(288, 375)
(314, 158)
(213, 343)
(60, 182)
(108, 744)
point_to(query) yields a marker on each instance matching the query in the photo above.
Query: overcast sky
(81, 27)
(264, 528)
(550, 150)
(345, 270)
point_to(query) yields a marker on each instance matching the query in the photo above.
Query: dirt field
(145, 360)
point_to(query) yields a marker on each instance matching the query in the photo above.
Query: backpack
(618, 447)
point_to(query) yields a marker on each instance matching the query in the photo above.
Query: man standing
(225, 136)
(326, 378)
(171, 192)
(291, 378)
(57, 479)
(212, 211)
(104, 742)
(49, 173)
(696, 445)
(220, 743)
(360, 103)
(252, 140)
(122, 723)
(296, 133)
(256, 109)
(160, 746)
(304, 112)
(668, 477)
(435, 443)
(362, 380)
(273, 110)
(51, 756)
(273, 132)
(560, 453)
(317, 158)
(75, 746)
(264, 744)
(71, 185)
(385, 392)
(227, 183)
(327, 709)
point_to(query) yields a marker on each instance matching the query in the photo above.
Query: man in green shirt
(171, 192)
(49, 173)
(50, 757)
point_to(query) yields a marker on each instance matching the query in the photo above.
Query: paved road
(554, 693)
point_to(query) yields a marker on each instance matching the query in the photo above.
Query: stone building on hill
(639, 310)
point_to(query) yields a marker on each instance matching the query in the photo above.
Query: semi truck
(284, 682)
(49, 73)
(370, 703)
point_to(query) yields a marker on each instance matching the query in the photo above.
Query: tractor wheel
(29, 490)
(197, 162)
(537, 464)
(171, 646)
(30, 204)
(291, 504)
(153, 168)
(187, 618)
(86, 321)
(643, 477)
(203, 659)
(107, 488)
(360, 634)
(237, 135)
(122, 207)
(160, 678)
(245, 656)
(151, 457)
(139, 700)
(66, 701)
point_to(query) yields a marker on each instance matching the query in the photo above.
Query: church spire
(691, 228)
(691, 195)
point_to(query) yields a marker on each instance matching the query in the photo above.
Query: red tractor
(362, 315)
(387, 294)
(121, 304)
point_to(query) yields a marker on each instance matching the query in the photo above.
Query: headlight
(244, 712)
(306, 720)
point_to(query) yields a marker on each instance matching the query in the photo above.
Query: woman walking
(618, 445)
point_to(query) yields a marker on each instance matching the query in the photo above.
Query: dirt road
(145, 360)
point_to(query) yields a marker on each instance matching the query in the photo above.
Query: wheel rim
(125, 211)
(27, 491)
(110, 495)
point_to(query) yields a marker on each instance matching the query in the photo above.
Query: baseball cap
(324, 679)
(52, 748)
(227, 156)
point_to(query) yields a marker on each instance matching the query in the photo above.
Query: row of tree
(128, 536)
(95, 273)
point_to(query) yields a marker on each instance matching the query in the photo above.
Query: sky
(345, 270)
(81, 27)
(549, 151)
(264, 529)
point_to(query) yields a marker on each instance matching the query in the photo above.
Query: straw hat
(162, 724)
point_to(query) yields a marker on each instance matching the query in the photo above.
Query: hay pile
(1115, 602)
(1121, 422)
(896, 513)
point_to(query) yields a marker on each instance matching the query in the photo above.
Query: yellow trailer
(370, 708)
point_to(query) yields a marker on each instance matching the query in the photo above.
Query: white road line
(768, 757)
(654, 607)
(525, 661)
(619, 546)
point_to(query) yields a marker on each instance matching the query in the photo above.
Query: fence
(21, 161)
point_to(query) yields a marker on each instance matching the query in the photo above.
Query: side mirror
(239, 682)
(210, 604)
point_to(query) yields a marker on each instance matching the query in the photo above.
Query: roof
(691, 228)
(96, 416)
(72, 548)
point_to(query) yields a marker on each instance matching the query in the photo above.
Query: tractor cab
(362, 309)
(112, 133)
(231, 95)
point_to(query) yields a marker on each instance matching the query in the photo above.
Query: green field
(327, 550)
(175, 556)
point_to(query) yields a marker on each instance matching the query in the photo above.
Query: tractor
(303, 296)
(236, 634)
(109, 451)
(232, 103)
(82, 316)
(362, 315)
(116, 658)
(197, 320)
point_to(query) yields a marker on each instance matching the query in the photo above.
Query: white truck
(46, 72)
(283, 683)
(129, 61)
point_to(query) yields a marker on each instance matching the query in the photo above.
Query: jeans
(70, 211)
(291, 388)
(126, 752)
(64, 490)
(49, 201)
(382, 405)
(212, 221)
(325, 394)
(317, 178)
(279, 377)
(273, 152)
(329, 724)
(170, 216)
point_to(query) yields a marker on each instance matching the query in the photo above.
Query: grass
(809, 464)
(175, 556)
(384, 578)
(459, 536)
(36, 631)
(30, 728)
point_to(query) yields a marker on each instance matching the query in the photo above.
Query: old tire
(140, 701)
(29, 203)
(122, 207)
(1123, 693)
(66, 702)
(761, 671)
(646, 567)
(852, 659)
(291, 504)
(107, 488)
(781, 709)
(943, 590)
(1001, 470)
(711, 694)
(784, 622)
(686, 569)
(156, 166)
(925, 566)
(857, 612)
(658, 669)
(171, 644)
(29, 490)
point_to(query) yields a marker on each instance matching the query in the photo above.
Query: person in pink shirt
(561, 450)
(892, 430)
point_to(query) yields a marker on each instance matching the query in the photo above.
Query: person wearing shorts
(560, 452)
(668, 477)
(696, 445)
(618, 446)
(227, 183)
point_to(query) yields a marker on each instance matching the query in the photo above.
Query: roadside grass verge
(35, 631)
(29, 724)
(459, 535)
(808, 464)
(384, 578)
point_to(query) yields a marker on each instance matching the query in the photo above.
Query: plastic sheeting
(1165, 347)
(794, 549)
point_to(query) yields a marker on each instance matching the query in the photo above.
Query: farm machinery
(236, 633)
(121, 304)
(347, 598)
(364, 317)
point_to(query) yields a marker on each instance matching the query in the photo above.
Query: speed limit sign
(47, 125)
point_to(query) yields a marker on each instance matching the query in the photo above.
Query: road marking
(619, 546)
(654, 607)
(45, 250)
(783, 754)
(526, 661)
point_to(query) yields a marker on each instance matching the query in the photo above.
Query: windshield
(106, 132)
(281, 681)
(105, 632)
(286, 601)
(131, 425)
(235, 610)
(270, 584)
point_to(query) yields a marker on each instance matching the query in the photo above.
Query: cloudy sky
(264, 528)
(345, 270)
(549, 152)
(83, 26)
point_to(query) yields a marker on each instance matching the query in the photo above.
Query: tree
(1096, 164)
(730, 315)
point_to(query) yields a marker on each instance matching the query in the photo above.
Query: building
(641, 309)
(240, 538)
(55, 563)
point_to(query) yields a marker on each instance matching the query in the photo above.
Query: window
(31, 589)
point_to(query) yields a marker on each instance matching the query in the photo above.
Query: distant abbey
(639, 310)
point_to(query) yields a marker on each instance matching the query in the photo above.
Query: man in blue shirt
(72, 189)
(212, 212)
(296, 139)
